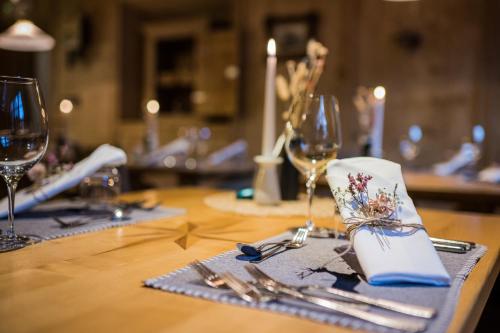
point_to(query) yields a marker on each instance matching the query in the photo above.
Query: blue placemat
(40, 221)
(299, 267)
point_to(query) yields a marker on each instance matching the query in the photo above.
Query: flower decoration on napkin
(385, 229)
(378, 213)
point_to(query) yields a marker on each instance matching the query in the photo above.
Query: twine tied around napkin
(378, 214)
(381, 223)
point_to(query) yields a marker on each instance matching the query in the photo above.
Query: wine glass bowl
(313, 138)
(23, 141)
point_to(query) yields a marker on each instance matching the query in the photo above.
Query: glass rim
(17, 79)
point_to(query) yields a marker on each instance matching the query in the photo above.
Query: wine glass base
(16, 242)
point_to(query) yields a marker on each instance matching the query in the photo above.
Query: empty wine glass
(23, 141)
(313, 138)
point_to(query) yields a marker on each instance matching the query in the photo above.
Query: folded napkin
(491, 174)
(468, 154)
(178, 146)
(408, 257)
(103, 155)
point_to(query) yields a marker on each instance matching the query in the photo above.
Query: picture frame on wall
(292, 33)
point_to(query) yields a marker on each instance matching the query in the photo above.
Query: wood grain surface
(93, 282)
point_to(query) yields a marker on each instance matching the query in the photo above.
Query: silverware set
(440, 244)
(266, 289)
(119, 212)
(270, 249)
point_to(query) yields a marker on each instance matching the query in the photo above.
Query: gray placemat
(299, 267)
(40, 220)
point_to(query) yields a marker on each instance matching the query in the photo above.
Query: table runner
(39, 221)
(299, 267)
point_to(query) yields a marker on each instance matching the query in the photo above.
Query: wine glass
(23, 141)
(313, 138)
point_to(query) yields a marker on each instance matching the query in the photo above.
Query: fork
(71, 224)
(211, 278)
(297, 241)
(215, 280)
(410, 325)
(244, 290)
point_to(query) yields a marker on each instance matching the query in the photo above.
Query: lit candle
(378, 122)
(66, 107)
(269, 125)
(152, 139)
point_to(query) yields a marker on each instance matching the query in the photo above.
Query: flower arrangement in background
(56, 161)
(303, 76)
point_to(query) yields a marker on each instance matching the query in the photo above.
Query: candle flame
(66, 106)
(271, 47)
(153, 106)
(379, 92)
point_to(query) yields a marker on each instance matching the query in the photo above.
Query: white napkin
(491, 174)
(103, 155)
(409, 258)
(176, 147)
(468, 154)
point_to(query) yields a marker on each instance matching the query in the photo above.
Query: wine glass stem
(11, 194)
(310, 187)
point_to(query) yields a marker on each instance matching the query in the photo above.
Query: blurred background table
(93, 282)
(471, 195)
(231, 176)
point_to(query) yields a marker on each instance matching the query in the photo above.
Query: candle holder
(266, 184)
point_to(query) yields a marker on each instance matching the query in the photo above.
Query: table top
(93, 282)
(426, 181)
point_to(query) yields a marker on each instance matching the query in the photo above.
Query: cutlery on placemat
(215, 280)
(118, 214)
(409, 309)
(255, 251)
(405, 324)
(440, 244)
(69, 224)
(297, 241)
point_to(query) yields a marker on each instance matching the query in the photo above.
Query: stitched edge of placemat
(172, 212)
(443, 319)
(450, 304)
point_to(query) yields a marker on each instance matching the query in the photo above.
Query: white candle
(269, 121)
(378, 122)
(152, 137)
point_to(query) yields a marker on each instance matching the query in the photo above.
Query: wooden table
(93, 282)
(469, 195)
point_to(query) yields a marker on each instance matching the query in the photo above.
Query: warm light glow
(66, 106)
(190, 164)
(170, 161)
(153, 106)
(24, 27)
(379, 92)
(271, 47)
(24, 35)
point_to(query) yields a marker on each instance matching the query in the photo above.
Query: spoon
(253, 251)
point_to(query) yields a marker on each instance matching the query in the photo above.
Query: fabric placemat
(39, 221)
(227, 202)
(300, 267)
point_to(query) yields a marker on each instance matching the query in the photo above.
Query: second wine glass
(313, 138)
(23, 141)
